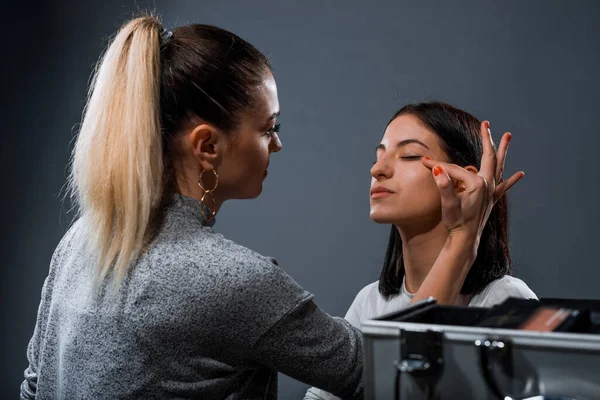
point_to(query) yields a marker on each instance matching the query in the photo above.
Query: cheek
(254, 163)
(259, 157)
(413, 178)
(264, 150)
(254, 156)
(420, 190)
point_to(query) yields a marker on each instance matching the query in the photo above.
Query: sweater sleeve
(315, 348)
(353, 316)
(29, 385)
(286, 331)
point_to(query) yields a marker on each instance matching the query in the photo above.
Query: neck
(208, 201)
(197, 193)
(420, 250)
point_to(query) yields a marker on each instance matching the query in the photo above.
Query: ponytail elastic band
(165, 35)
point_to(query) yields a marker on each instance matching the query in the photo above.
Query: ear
(471, 169)
(457, 185)
(207, 144)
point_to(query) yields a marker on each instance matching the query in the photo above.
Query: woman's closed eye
(273, 130)
(406, 157)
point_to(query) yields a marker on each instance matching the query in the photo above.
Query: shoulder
(242, 261)
(252, 289)
(196, 261)
(191, 244)
(69, 244)
(72, 235)
(366, 295)
(502, 288)
(201, 256)
(223, 282)
(510, 284)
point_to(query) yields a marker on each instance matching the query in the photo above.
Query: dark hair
(209, 73)
(459, 136)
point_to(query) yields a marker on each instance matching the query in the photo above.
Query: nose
(381, 169)
(275, 144)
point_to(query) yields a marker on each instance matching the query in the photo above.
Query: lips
(378, 192)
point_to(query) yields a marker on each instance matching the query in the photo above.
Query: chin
(255, 192)
(395, 217)
(380, 216)
(248, 192)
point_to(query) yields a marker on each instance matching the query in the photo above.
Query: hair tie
(165, 35)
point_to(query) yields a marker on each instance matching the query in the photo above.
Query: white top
(369, 304)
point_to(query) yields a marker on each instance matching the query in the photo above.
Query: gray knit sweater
(198, 316)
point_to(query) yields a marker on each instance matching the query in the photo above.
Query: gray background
(343, 68)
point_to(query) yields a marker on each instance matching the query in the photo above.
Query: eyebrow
(271, 117)
(403, 143)
(274, 115)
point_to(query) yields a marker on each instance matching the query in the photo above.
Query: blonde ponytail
(117, 167)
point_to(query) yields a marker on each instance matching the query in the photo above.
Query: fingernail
(426, 158)
(508, 137)
(437, 170)
(487, 124)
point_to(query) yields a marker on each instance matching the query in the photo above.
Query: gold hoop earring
(208, 192)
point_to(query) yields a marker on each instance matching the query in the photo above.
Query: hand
(467, 210)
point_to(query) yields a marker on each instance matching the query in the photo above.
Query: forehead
(409, 127)
(267, 101)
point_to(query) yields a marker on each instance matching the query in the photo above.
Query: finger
(428, 162)
(501, 155)
(450, 201)
(488, 159)
(454, 171)
(502, 188)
